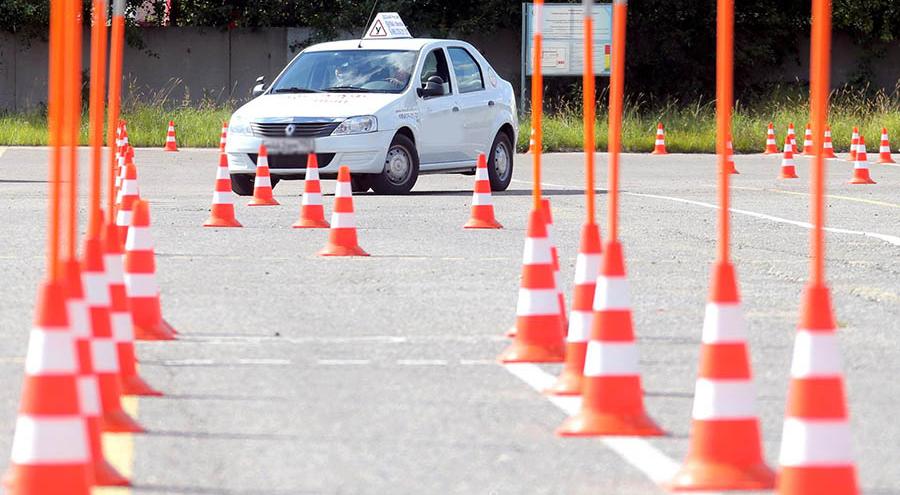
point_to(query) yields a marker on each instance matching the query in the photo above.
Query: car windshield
(363, 71)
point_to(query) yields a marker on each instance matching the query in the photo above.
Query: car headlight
(240, 126)
(357, 125)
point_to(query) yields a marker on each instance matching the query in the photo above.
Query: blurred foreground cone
(342, 237)
(482, 202)
(726, 447)
(171, 145)
(861, 165)
(884, 152)
(50, 450)
(808, 149)
(104, 352)
(128, 195)
(729, 161)
(612, 398)
(312, 212)
(223, 137)
(792, 135)
(222, 210)
(854, 144)
(788, 168)
(120, 316)
(828, 145)
(262, 185)
(771, 143)
(554, 252)
(659, 147)
(587, 268)
(539, 328)
(816, 443)
(140, 279)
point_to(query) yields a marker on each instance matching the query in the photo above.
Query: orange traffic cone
(816, 441)
(587, 267)
(771, 143)
(539, 329)
(223, 137)
(125, 157)
(854, 144)
(312, 213)
(262, 185)
(726, 446)
(884, 152)
(788, 168)
(808, 149)
(120, 316)
(659, 147)
(612, 398)
(342, 237)
(828, 145)
(50, 451)
(861, 165)
(482, 202)
(732, 169)
(222, 210)
(792, 134)
(140, 279)
(104, 351)
(128, 195)
(171, 145)
(557, 276)
(102, 473)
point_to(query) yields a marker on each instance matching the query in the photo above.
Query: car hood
(328, 105)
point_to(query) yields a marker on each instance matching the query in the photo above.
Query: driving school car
(389, 106)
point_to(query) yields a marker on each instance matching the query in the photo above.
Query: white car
(390, 109)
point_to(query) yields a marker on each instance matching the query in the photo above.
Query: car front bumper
(363, 153)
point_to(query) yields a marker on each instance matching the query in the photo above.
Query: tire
(361, 183)
(393, 180)
(500, 162)
(242, 184)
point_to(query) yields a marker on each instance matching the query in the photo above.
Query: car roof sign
(387, 25)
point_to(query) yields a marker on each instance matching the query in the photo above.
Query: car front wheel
(401, 168)
(242, 184)
(500, 162)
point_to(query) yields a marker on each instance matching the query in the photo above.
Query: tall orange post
(72, 122)
(537, 101)
(98, 83)
(116, 53)
(55, 111)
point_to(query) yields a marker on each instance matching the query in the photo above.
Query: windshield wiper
(347, 89)
(295, 89)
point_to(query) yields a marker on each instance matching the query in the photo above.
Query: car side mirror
(434, 86)
(260, 86)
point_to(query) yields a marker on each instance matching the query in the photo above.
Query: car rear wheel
(242, 184)
(500, 162)
(401, 168)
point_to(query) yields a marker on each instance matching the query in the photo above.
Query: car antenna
(374, 6)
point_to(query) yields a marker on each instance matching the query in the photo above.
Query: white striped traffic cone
(128, 195)
(771, 143)
(312, 212)
(342, 239)
(223, 137)
(482, 216)
(884, 151)
(854, 144)
(659, 147)
(729, 160)
(861, 165)
(171, 144)
(262, 184)
(222, 210)
(554, 252)
(808, 149)
(792, 135)
(828, 145)
(788, 168)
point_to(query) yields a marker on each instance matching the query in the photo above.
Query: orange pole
(116, 52)
(724, 102)
(98, 83)
(58, 14)
(616, 102)
(537, 100)
(820, 85)
(72, 119)
(590, 105)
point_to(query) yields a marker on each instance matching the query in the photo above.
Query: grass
(690, 127)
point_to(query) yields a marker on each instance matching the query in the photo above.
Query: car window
(376, 71)
(436, 65)
(468, 72)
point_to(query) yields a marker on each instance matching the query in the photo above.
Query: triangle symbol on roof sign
(378, 30)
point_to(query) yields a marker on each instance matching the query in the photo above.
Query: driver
(344, 75)
(398, 78)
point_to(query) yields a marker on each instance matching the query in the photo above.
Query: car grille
(295, 161)
(305, 129)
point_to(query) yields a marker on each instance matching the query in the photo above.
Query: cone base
(309, 223)
(529, 353)
(160, 331)
(135, 385)
(171, 150)
(734, 171)
(789, 176)
(71, 479)
(588, 424)
(222, 222)
(106, 475)
(833, 480)
(862, 181)
(477, 223)
(511, 333)
(770, 152)
(659, 153)
(120, 422)
(886, 160)
(830, 156)
(569, 383)
(263, 202)
(714, 476)
(335, 250)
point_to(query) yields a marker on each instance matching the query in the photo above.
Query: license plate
(289, 146)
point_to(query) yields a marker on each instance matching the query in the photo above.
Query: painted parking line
(344, 362)
(830, 196)
(422, 362)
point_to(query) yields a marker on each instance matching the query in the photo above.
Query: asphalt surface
(298, 374)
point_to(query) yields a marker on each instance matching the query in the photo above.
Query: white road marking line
(829, 196)
(894, 240)
(422, 362)
(189, 362)
(638, 452)
(343, 362)
(2, 151)
(477, 362)
(265, 361)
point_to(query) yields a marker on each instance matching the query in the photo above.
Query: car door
(441, 122)
(475, 102)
